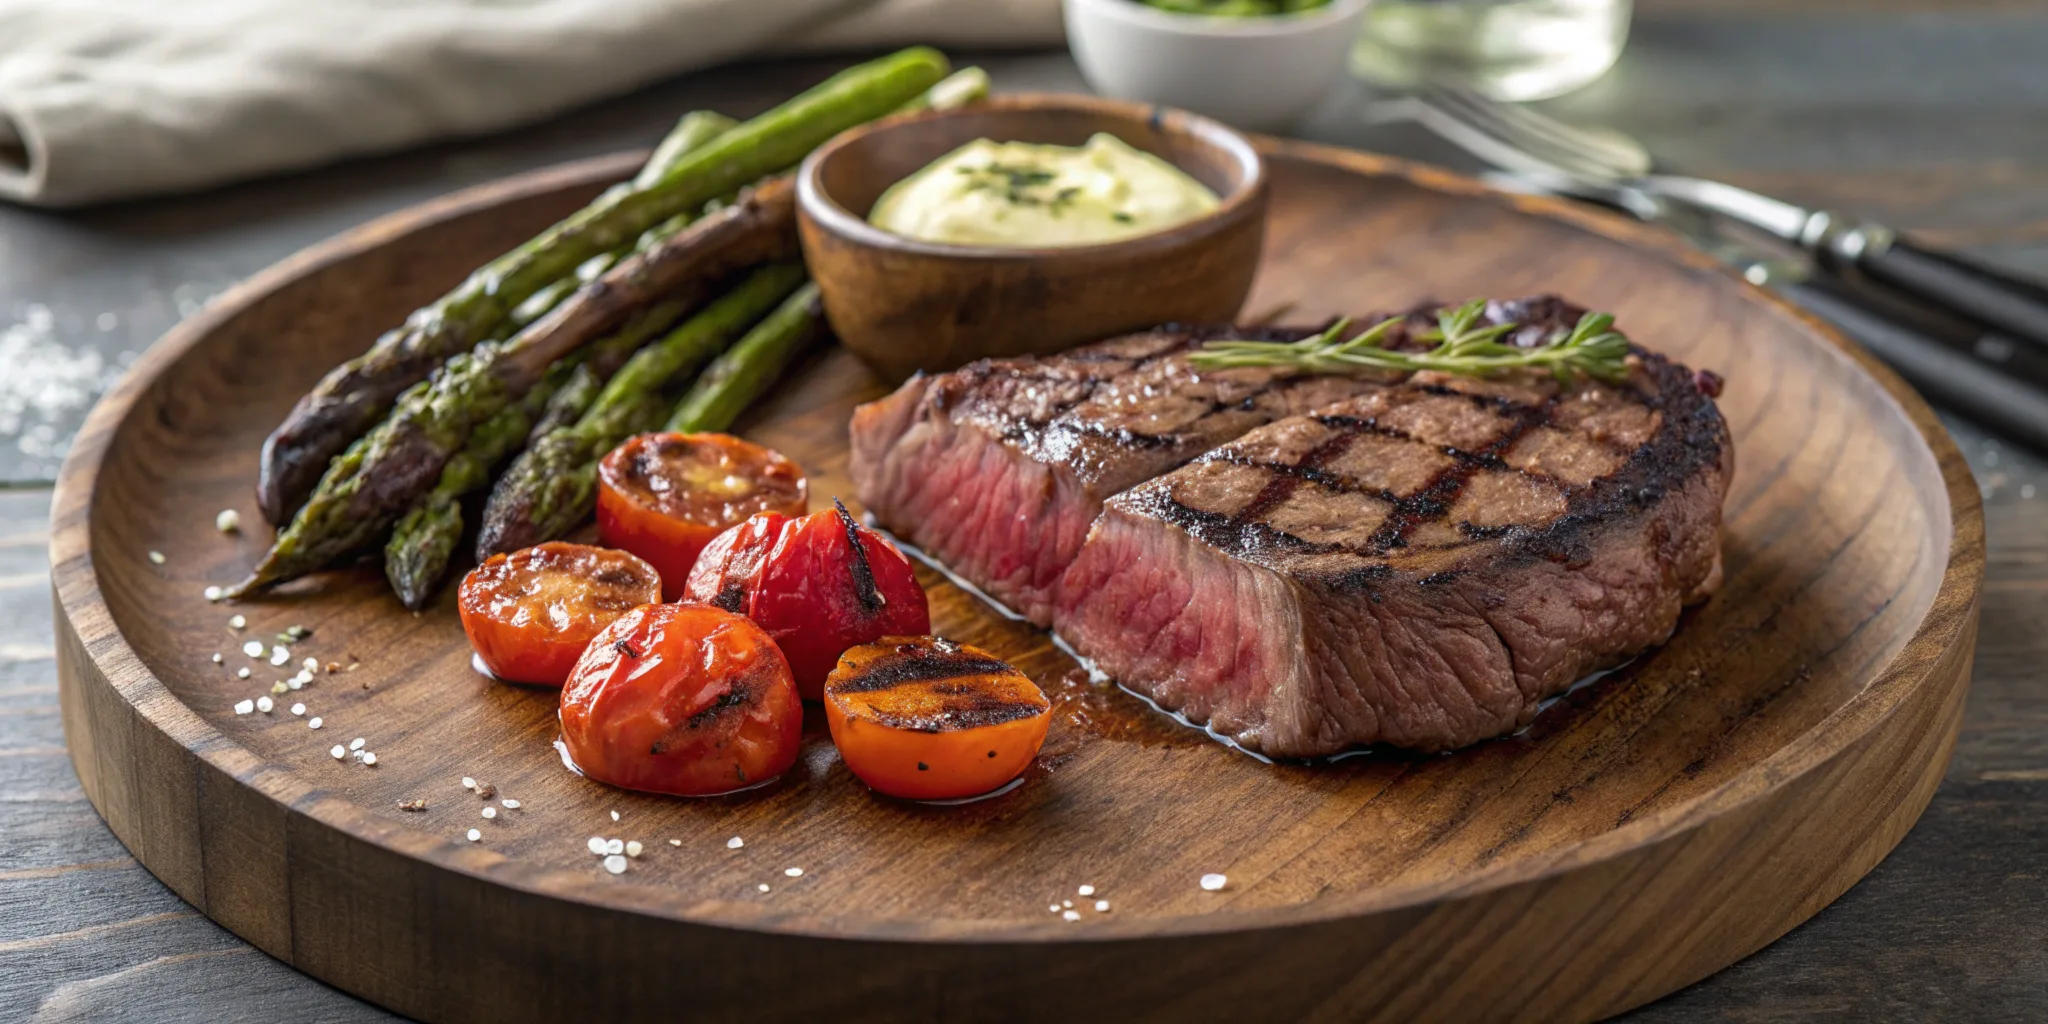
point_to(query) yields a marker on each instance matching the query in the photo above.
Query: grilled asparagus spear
(386, 471)
(351, 398)
(735, 379)
(549, 488)
(353, 395)
(416, 556)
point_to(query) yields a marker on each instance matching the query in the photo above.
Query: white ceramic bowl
(1262, 74)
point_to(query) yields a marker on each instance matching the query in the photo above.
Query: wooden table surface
(1923, 113)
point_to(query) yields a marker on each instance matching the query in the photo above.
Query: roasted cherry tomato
(818, 585)
(729, 562)
(682, 698)
(529, 614)
(664, 496)
(928, 719)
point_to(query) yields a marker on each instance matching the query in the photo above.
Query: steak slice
(1418, 565)
(999, 468)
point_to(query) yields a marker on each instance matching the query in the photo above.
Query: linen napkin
(108, 99)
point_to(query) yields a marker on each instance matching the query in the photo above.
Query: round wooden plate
(1649, 829)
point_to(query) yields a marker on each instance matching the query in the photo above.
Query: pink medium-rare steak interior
(1419, 565)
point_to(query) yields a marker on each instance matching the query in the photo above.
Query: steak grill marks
(1432, 502)
(1436, 499)
(1539, 317)
(1187, 340)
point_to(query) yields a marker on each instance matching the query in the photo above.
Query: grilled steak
(999, 468)
(1418, 565)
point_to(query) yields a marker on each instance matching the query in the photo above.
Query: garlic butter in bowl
(1035, 194)
(1027, 224)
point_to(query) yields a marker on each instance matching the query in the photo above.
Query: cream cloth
(106, 99)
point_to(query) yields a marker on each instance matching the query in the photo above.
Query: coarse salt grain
(338, 753)
(763, 887)
(468, 783)
(615, 815)
(735, 843)
(253, 648)
(237, 622)
(356, 744)
(264, 704)
(675, 842)
(474, 835)
(614, 846)
(241, 673)
(1102, 906)
(279, 655)
(510, 805)
(156, 557)
(1086, 890)
(1052, 908)
(311, 664)
(212, 593)
(1071, 915)
(596, 845)
(794, 872)
(314, 722)
(1214, 882)
(298, 709)
(1067, 903)
(490, 812)
(615, 864)
(633, 848)
(369, 758)
(228, 521)
(244, 707)
(217, 659)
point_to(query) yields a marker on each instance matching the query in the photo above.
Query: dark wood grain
(1925, 113)
(905, 305)
(1644, 822)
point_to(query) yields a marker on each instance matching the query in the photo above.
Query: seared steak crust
(999, 469)
(1419, 564)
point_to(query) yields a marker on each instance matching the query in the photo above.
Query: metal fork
(1605, 165)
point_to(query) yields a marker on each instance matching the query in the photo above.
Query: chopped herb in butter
(1029, 195)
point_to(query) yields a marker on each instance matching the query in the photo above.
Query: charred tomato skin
(923, 718)
(684, 699)
(530, 613)
(824, 585)
(726, 567)
(665, 496)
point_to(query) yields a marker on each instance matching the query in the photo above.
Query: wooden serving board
(1649, 829)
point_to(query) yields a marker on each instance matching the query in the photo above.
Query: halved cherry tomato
(818, 585)
(928, 719)
(530, 613)
(682, 698)
(664, 496)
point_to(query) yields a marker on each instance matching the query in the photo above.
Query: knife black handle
(1992, 297)
(1944, 374)
(1987, 345)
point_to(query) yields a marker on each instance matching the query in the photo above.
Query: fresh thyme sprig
(1591, 348)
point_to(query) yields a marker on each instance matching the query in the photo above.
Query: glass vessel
(1507, 49)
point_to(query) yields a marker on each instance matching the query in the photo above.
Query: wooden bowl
(905, 305)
